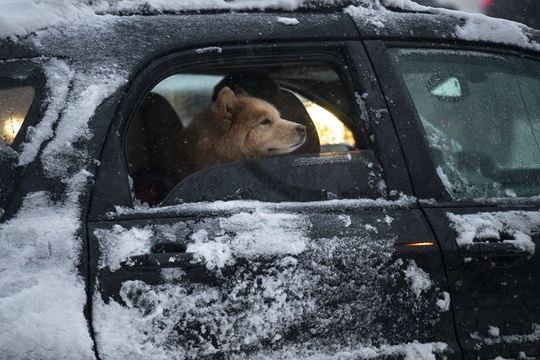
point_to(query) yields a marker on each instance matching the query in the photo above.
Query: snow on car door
(480, 116)
(312, 255)
(252, 279)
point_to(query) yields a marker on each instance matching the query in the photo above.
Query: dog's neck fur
(211, 138)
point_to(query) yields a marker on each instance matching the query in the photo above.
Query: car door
(304, 255)
(472, 147)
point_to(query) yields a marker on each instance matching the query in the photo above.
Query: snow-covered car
(523, 11)
(405, 228)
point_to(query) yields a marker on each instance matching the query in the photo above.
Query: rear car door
(314, 254)
(473, 149)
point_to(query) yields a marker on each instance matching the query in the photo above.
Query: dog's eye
(266, 121)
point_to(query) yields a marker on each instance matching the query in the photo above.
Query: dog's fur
(235, 127)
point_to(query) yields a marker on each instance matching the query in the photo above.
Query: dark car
(523, 11)
(406, 229)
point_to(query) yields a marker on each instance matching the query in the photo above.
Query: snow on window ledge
(486, 227)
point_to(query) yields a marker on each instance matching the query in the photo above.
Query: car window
(15, 102)
(164, 142)
(189, 94)
(14, 105)
(480, 115)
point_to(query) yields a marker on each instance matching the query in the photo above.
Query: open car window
(481, 118)
(164, 141)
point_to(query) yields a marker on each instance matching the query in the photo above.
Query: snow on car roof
(21, 18)
(468, 27)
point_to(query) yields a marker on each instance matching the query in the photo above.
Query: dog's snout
(301, 129)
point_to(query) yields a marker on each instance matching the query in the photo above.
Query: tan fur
(235, 127)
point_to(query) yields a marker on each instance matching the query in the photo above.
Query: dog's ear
(225, 105)
(240, 92)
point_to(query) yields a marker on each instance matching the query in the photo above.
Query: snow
(121, 243)
(494, 331)
(20, 18)
(288, 21)
(330, 159)
(59, 76)
(23, 17)
(42, 294)
(474, 27)
(209, 49)
(495, 336)
(444, 303)
(418, 279)
(408, 351)
(261, 303)
(247, 205)
(346, 220)
(479, 27)
(268, 234)
(96, 85)
(497, 226)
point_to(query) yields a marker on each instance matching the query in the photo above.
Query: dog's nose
(301, 129)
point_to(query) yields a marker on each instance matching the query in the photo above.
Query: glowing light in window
(10, 128)
(330, 129)
(14, 105)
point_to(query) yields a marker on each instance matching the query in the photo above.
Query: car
(523, 11)
(406, 227)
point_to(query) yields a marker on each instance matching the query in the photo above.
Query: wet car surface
(408, 229)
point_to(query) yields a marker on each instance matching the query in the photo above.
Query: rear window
(14, 105)
(480, 115)
(190, 93)
(165, 152)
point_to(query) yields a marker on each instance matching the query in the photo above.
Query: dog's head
(255, 126)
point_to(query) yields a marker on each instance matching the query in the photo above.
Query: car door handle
(151, 262)
(500, 254)
(502, 249)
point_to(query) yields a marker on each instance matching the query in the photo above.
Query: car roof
(130, 38)
(113, 36)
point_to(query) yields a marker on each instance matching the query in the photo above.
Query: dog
(236, 127)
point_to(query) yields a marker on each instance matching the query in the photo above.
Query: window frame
(426, 182)
(332, 53)
(335, 54)
(497, 104)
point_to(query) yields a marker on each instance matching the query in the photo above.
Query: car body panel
(374, 273)
(287, 280)
(484, 271)
(495, 275)
(304, 232)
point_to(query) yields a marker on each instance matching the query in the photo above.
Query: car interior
(481, 119)
(14, 106)
(310, 94)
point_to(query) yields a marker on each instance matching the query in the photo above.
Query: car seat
(149, 132)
